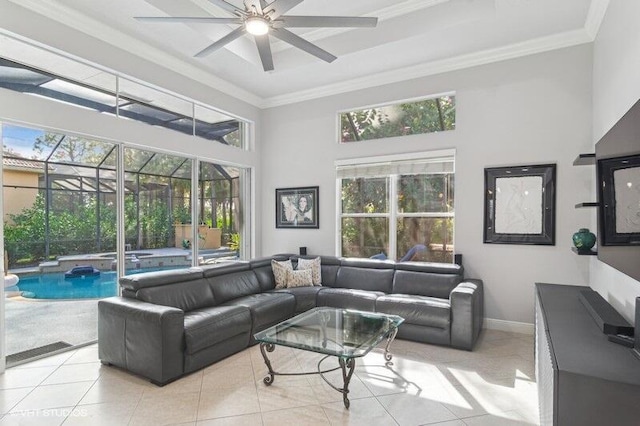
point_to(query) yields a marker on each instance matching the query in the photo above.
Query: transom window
(435, 114)
(401, 210)
(37, 71)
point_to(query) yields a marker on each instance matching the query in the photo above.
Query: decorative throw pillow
(299, 278)
(280, 272)
(314, 266)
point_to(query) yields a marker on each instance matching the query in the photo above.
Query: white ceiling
(412, 38)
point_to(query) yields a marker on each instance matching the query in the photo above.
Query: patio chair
(408, 257)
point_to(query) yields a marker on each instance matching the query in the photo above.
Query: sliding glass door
(59, 238)
(60, 203)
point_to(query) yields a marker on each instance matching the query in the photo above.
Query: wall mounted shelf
(584, 253)
(585, 160)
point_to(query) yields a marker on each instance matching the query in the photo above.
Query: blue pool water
(56, 286)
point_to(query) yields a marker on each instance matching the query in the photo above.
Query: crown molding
(65, 15)
(383, 14)
(530, 47)
(597, 11)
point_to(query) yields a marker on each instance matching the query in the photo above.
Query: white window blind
(405, 167)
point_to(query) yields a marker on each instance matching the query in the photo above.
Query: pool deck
(32, 323)
(134, 259)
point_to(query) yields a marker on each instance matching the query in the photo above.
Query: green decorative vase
(584, 240)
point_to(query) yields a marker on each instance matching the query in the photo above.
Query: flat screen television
(618, 174)
(636, 346)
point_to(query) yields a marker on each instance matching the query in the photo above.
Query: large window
(401, 210)
(60, 198)
(435, 114)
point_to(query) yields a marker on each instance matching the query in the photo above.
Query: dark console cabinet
(583, 378)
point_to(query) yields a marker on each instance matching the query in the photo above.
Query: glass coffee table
(342, 333)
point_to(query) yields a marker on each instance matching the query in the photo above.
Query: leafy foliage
(410, 118)
(365, 221)
(71, 231)
(158, 194)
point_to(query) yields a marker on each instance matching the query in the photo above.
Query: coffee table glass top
(339, 332)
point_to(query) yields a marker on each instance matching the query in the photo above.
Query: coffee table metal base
(346, 364)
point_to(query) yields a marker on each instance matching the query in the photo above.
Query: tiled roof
(22, 163)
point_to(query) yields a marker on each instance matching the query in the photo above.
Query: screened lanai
(61, 190)
(114, 95)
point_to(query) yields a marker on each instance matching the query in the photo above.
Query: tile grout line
(255, 385)
(34, 387)
(133, 412)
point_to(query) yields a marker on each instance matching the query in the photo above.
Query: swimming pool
(56, 286)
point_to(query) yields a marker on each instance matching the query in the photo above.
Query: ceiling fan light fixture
(256, 25)
(258, 18)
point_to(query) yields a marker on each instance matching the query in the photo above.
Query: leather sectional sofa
(169, 323)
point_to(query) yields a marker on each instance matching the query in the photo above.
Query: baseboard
(512, 326)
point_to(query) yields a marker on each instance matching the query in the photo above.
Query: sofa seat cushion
(209, 326)
(418, 310)
(267, 308)
(305, 297)
(346, 298)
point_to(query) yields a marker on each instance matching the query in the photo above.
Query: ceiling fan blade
(264, 49)
(227, 6)
(328, 21)
(253, 5)
(188, 19)
(218, 44)
(300, 43)
(280, 7)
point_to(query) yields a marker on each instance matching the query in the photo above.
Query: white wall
(616, 87)
(531, 110)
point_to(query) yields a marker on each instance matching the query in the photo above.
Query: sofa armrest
(141, 337)
(467, 313)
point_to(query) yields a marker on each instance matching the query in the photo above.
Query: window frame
(338, 128)
(393, 214)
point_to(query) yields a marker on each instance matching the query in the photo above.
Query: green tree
(430, 115)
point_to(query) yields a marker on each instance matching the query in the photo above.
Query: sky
(20, 139)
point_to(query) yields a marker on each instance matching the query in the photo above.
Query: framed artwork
(297, 207)
(619, 200)
(519, 204)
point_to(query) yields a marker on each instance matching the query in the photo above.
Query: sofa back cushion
(159, 278)
(188, 295)
(364, 279)
(329, 266)
(425, 283)
(234, 285)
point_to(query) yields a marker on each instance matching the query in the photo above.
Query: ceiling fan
(261, 19)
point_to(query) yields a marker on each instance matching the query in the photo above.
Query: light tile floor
(424, 385)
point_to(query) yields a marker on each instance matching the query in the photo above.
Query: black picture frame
(519, 204)
(619, 195)
(290, 211)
